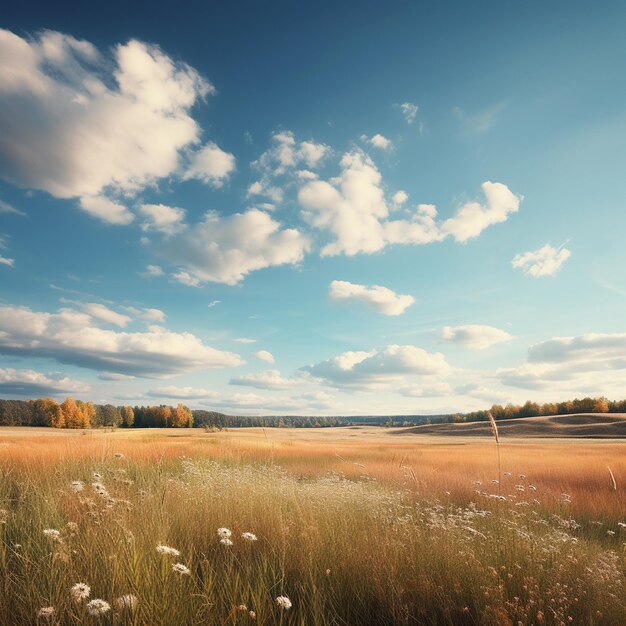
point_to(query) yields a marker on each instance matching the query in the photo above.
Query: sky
(339, 208)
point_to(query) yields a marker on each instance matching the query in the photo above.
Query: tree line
(78, 414)
(533, 409)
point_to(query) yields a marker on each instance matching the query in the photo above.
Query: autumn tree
(71, 413)
(183, 418)
(128, 416)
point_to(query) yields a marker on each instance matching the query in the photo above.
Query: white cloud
(107, 210)
(378, 141)
(379, 298)
(153, 271)
(153, 315)
(264, 355)
(584, 363)
(181, 393)
(185, 278)
(72, 337)
(399, 198)
(475, 336)
(226, 249)
(270, 379)
(546, 261)
(211, 165)
(286, 153)
(30, 383)
(214, 303)
(79, 124)
(245, 340)
(409, 111)
(607, 350)
(6, 261)
(104, 314)
(353, 209)
(165, 219)
(378, 368)
(473, 217)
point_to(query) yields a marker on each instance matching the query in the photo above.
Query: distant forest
(77, 414)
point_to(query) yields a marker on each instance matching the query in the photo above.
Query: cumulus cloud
(106, 209)
(78, 123)
(264, 355)
(211, 165)
(181, 393)
(226, 249)
(165, 219)
(546, 261)
(353, 209)
(379, 298)
(286, 153)
(30, 383)
(270, 379)
(399, 198)
(378, 141)
(285, 156)
(378, 368)
(72, 337)
(475, 336)
(473, 217)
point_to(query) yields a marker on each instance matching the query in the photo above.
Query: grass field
(354, 526)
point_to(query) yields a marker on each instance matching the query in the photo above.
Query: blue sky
(277, 208)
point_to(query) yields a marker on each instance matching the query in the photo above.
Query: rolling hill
(580, 425)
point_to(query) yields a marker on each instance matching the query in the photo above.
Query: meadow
(345, 526)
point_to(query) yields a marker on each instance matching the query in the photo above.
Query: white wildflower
(252, 615)
(98, 607)
(80, 591)
(167, 551)
(97, 476)
(52, 533)
(249, 536)
(181, 569)
(224, 532)
(77, 486)
(46, 612)
(100, 489)
(127, 602)
(225, 541)
(118, 455)
(283, 602)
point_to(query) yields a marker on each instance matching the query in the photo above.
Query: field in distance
(585, 425)
(353, 525)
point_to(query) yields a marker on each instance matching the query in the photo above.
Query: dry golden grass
(354, 525)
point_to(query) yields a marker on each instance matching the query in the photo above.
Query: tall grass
(376, 536)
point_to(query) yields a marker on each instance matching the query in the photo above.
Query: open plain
(353, 525)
